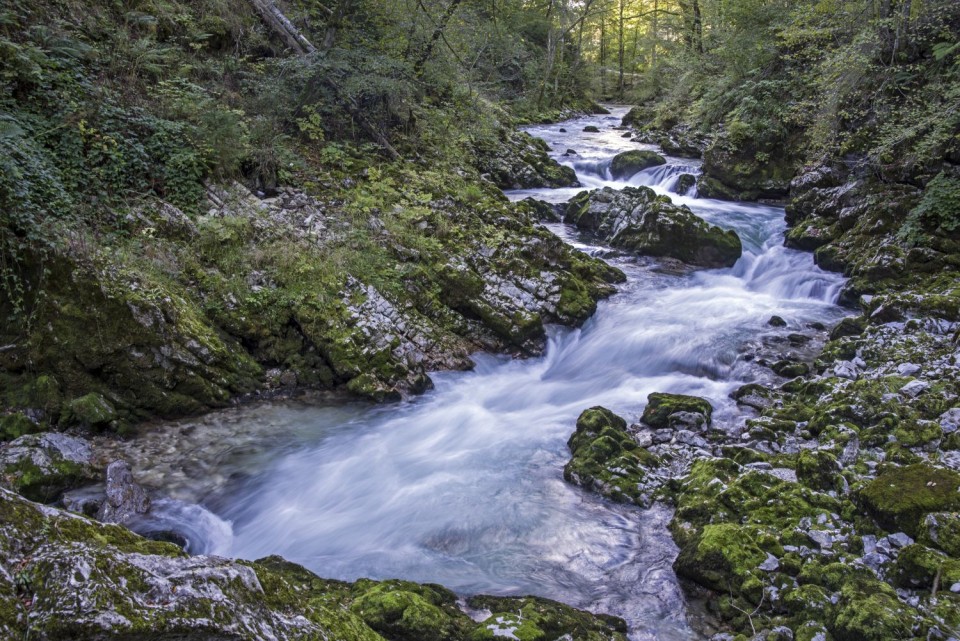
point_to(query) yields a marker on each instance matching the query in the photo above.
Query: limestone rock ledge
(63, 576)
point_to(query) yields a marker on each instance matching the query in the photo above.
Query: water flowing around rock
(464, 487)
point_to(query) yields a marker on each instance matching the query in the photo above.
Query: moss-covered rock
(43, 466)
(607, 459)
(900, 497)
(78, 579)
(942, 530)
(920, 567)
(722, 557)
(818, 470)
(404, 611)
(747, 169)
(637, 220)
(871, 613)
(91, 410)
(663, 410)
(628, 163)
(535, 619)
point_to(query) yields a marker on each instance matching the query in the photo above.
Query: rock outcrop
(637, 220)
(64, 576)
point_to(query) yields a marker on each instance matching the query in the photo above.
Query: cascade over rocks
(637, 220)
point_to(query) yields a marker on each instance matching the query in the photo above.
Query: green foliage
(938, 210)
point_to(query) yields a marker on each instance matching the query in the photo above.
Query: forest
(319, 283)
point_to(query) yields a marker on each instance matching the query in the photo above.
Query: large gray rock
(43, 466)
(125, 497)
(638, 220)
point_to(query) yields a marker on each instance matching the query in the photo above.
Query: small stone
(770, 564)
(845, 369)
(914, 389)
(776, 321)
(900, 539)
(823, 539)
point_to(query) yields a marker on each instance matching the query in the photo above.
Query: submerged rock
(637, 220)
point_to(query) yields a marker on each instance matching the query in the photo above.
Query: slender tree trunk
(437, 34)
(620, 27)
(283, 27)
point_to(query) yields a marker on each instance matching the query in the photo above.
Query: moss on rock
(900, 497)
(607, 459)
(662, 407)
(631, 162)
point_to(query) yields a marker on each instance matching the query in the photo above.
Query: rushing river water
(464, 487)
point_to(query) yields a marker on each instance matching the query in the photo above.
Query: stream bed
(463, 486)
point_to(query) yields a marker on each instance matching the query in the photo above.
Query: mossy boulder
(871, 612)
(517, 160)
(818, 470)
(91, 410)
(43, 466)
(665, 410)
(607, 459)
(900, 497)
(628, 163)
(82, 580)
(722, 557)
(404, 611)
(746, 169)
(16, 424)
(637, 220)
(538, 619)
(919, 567)
(790, 368)
(942, 530)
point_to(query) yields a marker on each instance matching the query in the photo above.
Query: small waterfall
(196, 529)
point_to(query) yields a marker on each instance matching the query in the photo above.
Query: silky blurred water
(464, 487)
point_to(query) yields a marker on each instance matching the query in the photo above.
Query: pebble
(770, 564)
(845, 369)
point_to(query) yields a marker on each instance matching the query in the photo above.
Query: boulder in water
(125, 497)
(685, 183)
(590, 129)
(607, 459)
(638, 220)
(630, 162)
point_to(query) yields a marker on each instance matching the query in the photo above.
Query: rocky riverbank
(832, 511)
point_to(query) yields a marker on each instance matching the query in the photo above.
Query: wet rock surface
(640, 221)
(66, 576)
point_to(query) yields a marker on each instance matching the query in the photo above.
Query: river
(463, 486)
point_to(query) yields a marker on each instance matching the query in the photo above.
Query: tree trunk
(283, 27)
(437, 34)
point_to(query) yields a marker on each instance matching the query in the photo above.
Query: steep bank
(193, 214)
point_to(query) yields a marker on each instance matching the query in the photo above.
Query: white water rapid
(464, 487)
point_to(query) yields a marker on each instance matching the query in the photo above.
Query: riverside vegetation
(194, 213)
